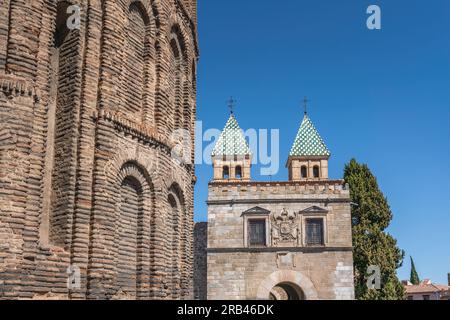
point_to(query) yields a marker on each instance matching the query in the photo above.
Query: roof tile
(308, 141)
(232, 140)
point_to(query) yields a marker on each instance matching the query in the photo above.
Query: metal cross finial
(305, 104)
(231, 104)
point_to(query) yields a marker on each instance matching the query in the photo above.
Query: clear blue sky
(382, 97)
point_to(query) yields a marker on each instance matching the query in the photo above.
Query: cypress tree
(373, 246)
(414, 278)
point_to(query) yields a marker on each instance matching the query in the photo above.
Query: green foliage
(414, 278)
(371, 215)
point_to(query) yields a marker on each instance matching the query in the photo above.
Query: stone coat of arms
(284, 228)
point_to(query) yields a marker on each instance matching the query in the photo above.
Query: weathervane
(231, 104)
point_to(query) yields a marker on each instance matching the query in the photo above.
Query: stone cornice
(146, 133)
(279, 249)
(276, 200)
(277, 183)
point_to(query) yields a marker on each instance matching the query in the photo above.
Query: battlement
(278, 189)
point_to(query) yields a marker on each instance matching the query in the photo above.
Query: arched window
(133, 247)
(64, 55)
(316, 172)
(304, 172)
(226, 172)
(179, 251)
(238, 172)
(137, 56)
(176, 78)
(160, 113)
(175, 228)
(128, 226)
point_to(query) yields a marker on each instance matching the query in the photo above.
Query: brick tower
(231, 155)
(93, 202)
(308, 159)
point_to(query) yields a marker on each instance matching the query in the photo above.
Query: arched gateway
(287, 285)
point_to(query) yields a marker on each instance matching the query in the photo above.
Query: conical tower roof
(232, 140)
(308, 142)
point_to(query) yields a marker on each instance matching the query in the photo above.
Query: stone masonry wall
(200, 260)
(236, 271)
(84, 182)
(239, 275)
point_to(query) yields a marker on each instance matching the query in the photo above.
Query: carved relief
(286, 260)
(285, 230)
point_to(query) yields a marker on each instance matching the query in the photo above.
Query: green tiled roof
(308, 141)
(231, 140)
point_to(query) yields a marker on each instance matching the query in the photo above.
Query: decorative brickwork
(87, 178)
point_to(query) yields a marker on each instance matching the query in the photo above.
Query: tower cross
(305, 104)
(231, 104)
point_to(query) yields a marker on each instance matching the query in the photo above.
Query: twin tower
(279, 240)
(308, 159)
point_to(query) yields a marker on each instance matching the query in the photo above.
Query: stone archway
(295, 278)
(286, 291)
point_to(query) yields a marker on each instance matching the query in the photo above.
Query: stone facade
(200, 260)
(90, 118)
(238, 271)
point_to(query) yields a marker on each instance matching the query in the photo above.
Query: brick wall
(79, 127)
